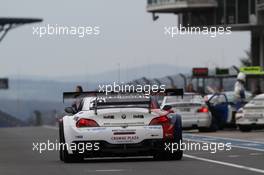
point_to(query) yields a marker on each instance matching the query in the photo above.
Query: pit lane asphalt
(18, 158)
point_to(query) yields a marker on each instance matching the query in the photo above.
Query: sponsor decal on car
(124, 139)
(123, 130)
(97, 129)
(153, 127)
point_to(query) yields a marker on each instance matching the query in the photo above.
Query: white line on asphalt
(235, 146)
(225, 163)
(233, 156)
(255, 154)
(50, 127)
(248, 148)
(117, 158)
(226, 138)
(111, 170)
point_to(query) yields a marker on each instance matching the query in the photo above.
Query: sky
(128, 37)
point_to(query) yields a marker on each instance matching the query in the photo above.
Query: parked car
(251, 116)
(193, 110)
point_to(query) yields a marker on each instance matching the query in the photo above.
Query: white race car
(251, 116)
(118, 125)
(193, 110)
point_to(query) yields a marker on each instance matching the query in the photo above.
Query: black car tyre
(175, 155)
(245, 128)
(64, 155)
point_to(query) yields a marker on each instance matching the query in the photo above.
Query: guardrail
(189, 2)
(179, 4)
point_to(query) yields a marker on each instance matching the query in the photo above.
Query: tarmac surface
(246, 156)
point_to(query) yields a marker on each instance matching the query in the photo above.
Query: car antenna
(95, 106)
(149, 104)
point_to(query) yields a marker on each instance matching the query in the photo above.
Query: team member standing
(78, 100)
(239, 89)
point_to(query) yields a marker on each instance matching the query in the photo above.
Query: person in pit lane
(239, 90)
(77, 104)
(190, 88)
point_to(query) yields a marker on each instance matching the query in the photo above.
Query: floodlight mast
(6, 24)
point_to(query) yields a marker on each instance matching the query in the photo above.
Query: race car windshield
(185, 99)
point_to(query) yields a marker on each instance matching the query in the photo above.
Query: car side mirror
(167, 107)
(69, 110)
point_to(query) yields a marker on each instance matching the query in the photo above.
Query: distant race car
(118, 125)
(251, 116)
(193, 110)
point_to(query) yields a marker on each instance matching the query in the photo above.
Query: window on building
(220, 18)
(243, 11)
(231, 11)
(252, 6)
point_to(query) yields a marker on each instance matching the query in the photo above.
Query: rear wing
(159, 92)
(132, 103)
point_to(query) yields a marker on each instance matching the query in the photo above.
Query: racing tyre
(64, 155)
(178, 138)
(245, 128)
(203, 129)
(177, 155)
(61, 140)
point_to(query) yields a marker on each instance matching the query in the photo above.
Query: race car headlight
(86, 123)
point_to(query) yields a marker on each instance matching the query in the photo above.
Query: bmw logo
(123, 116)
